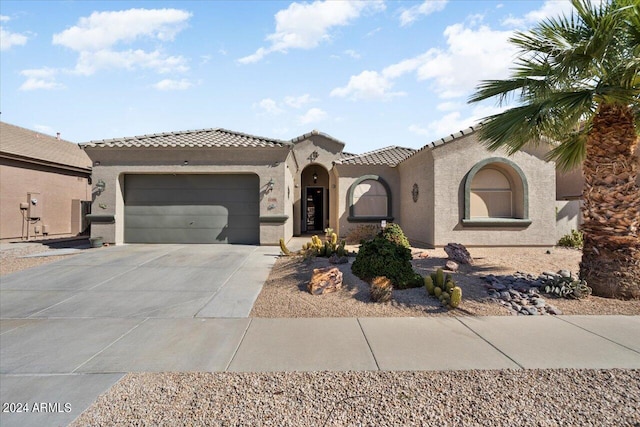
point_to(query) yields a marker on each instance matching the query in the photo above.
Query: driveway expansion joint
(490, 343)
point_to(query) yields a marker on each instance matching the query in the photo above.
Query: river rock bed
(521, 292)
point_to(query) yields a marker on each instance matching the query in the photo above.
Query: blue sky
(371, 74)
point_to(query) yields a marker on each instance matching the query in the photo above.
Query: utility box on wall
(35, 204)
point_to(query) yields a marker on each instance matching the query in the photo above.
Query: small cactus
(428, 284)
(439, 278)
(450, 285)
(456, 297)
(381, 289)
(437, 292)
(334, 239)
(283, 248)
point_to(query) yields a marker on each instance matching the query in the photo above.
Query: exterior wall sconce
(315, 178)
(100, 186)
(186, 163)
(270, 185)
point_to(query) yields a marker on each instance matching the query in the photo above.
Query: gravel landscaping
(284, 293)
(458, 398)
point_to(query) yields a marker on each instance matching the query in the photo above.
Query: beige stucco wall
(301, 158)
(114, 164)
(453, 161)
(416, 218)
(57, 189)
(348, 174)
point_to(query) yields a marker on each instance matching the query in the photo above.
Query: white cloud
(312, 116)
(550, 9)
(268, 106)
(427, 7)
(373, 32)
(448, 106)
(168, 84)
(103, 30)
(306, 25)
(42, 78)
(9, 39)
(44, 129)
(472, 54)
(90, 62)
(96, 39)
(352, 53)
(367, 85)
(298, 101)
(453, 122)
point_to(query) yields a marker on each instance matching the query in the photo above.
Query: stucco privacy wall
(111, 165)
(57, 188)
(416, 218)
(452, 163)
(348, 174)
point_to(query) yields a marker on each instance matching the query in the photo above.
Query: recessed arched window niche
(369, 200)
(496, 194)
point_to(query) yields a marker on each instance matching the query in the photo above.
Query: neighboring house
(220, 186)
(43, 182)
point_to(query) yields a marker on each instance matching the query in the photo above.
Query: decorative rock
(532, 310)
(335, 259)
(325, 280)
(452, 266)
(457, 252)
(564, 273)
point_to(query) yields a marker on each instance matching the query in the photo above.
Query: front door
(314, 211)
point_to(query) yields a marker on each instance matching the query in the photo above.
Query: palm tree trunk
(611, 212)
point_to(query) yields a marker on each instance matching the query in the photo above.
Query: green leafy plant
(575, 239)
(567, 287)
(394, 233)
(382, 257)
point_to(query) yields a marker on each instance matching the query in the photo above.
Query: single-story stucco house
(44, 185)
(221, 186)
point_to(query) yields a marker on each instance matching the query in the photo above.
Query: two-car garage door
(185, 208)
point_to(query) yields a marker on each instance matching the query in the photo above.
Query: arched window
(369, 200)
(496, 194)
(491, 194)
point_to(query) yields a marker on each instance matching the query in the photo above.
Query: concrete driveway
(70, 329)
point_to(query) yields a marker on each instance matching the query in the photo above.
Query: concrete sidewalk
(74, 360)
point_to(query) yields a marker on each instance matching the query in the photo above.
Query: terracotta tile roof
(390, 156)
(447, 139)
(190, 138)
(24, 144)
(315, 132)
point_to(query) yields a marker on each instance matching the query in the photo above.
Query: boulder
(458, 253)
(325, 280)
(452, 266)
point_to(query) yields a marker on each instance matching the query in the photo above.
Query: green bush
(572, 240)
(382, 257)
(394, 233)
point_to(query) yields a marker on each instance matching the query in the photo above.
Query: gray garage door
(191, 209)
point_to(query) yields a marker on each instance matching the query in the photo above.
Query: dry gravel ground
(284, 293)
(11, 261)
(458, 398)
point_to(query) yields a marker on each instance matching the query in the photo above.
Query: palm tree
(577, 84)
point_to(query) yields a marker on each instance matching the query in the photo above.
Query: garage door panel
(168, 196)
(195, 235)
(192, 209)
(143, 220)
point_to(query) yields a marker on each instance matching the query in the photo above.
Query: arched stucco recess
(352, 217)
(496, 222)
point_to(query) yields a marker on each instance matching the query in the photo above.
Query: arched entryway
(315, 199)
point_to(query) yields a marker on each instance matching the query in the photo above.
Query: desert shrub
(362, 233)
(381, 289)
(394, 233)
(382, 257)
(572, 240)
